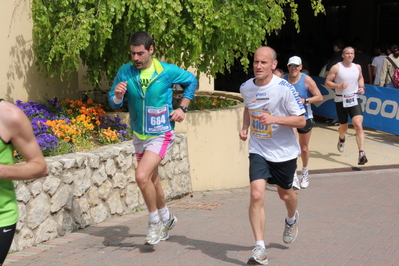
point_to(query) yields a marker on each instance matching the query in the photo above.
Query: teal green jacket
(158, 94)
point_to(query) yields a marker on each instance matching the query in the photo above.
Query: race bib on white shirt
(350, 100)
(157, 119)
(258, 130)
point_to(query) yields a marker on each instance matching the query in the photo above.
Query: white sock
(164, 213)
(290, 220)
(260, 243)
(304, 169)
(154, 217)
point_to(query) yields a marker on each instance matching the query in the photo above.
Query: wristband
(184, 108)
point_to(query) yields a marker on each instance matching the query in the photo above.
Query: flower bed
(69, 126)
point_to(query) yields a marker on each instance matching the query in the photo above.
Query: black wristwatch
(307, 100)
(185, 109)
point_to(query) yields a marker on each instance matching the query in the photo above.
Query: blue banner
(379, 105)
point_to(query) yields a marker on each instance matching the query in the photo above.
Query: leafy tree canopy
(205, 34)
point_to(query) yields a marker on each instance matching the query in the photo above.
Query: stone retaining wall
(86, 188)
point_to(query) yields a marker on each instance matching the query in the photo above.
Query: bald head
(264, 64)
(267, 51)
(348, 48)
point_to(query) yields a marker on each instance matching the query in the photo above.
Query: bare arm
(245, 125)
(178, 115)
(360, 81)
(331, 76)
(288, 121)
(16, 127)
(312, 87)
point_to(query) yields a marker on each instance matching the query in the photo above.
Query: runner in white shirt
(347, 80)
(272, 109)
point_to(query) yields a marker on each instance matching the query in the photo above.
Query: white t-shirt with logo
(275, 143)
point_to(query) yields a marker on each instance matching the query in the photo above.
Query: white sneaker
(295, 183)
(341, 146)
(305, 179)
(154, 233)
(167, 226)
(259, 256)
(291, 231)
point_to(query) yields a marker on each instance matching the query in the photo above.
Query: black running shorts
(343, 112)
(281, 173)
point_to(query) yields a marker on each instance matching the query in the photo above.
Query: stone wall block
(22, 216)
(110, 168)
(119, 180)
(92, 197)
(183, 151)
(99, 176)
(99, 213)
(175, 152)
(102, 154)
(131, 175)
(120, 160)
(80, 160)
(51, 184)
(67, 177)
(38, 210)
(80, 209)
(105, 190)
(127, 147)
(162, 172)
(54, 166)
(166, 188)
(22, 193)
(93, 160)
(115, 204)
(36, 187)
(23, 239)
(127, 162)
(61, 198)
(81, 182)
(65, 223)
(46, 231)
(168, 171)
(68, 162)
(132, 198)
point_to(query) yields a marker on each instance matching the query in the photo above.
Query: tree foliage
(205, 34)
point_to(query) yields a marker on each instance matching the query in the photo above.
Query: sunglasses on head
(293, 66)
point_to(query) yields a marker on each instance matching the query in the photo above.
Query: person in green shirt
(15, 132)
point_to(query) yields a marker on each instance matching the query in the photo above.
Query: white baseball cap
(296, 60)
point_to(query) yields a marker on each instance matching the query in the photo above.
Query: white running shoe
(295, 183)
(341, 146)
(167, 226)
(305, 179)
(154, 233)
(291, 231)
(259, 256)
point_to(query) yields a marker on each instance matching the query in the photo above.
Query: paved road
(346, 218)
